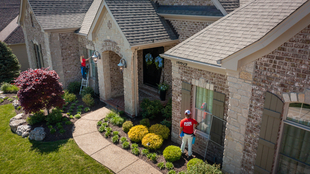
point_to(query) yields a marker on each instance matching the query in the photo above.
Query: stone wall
(184, 2)
(188, 74)
(116, 76)
(284, 70)
(55, 47)
(186, 29)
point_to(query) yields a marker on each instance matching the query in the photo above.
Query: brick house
(57, 32)
(246, 80)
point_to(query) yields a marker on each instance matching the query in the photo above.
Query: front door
(151, 75)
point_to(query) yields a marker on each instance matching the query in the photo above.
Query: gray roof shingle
(235, 31)
(188, 10)
(9, 9)
(139, 22)
(56, 14)
(16, 37)
(230, 5)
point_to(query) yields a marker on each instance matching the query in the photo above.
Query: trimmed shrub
(204, 168)
(166, 123)
(161, 130)
(77, 116)
(99, 123)
(136, 133)
(145, 122)
(117, 121)
(86, 109)
(109, 129)
(145, 152)
(151, 109)
(152, 156)
(134, 145)
(74, 87)
(104, 124)
(169, 166)
(8, 88)
(102, 129)
(111, 115)
(69, 97)
(88, 100)
(107, 134)
(88, 90)
(115, 133)
(193, 162)
(10, 66)
(115, 139)
(123, 139)
(126, 145)
(161, 165)
(172, 172)
(167, 111)
(127, 125)
(36, 118)
(54, 117)
(152, 141)
(105, 119)
(135, 151)
(172, 153)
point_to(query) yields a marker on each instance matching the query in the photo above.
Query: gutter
(189, 17)
(156, 44)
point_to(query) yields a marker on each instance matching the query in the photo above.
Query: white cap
(187, 112)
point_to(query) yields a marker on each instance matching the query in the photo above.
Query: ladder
(84, 83)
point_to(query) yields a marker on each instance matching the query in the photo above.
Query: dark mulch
(179, 165)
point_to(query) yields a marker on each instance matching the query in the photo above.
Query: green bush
(127, 125)
(193, 162)
(161, 130)
(8, 88)
(172, 153)
(166, 123)
(69, 97)
(111, 114)
(59, 126)
(167, 111)
(123, 139)
(19, 107)
(121, 113)
(151, 109)
(10, 99)
(169, 166)
(172, 172)
(152, 141)
(107, 134)
(71, 116)
(182, 172)
(74, 87)
(126, 145)
(109, 129)
(161, 165)
(99, 123)
(1, 100)
(50, 127)
(135, 151)
(10, 67)
(134, 145)
(104, 124)
(86, 109)
(117, 121)
(145, 122)
(54, 117)
(145, 152)
(88, 90)
(136, 133)
(106, 119)
(152, 156)
(115, 139)
(88, 100)
(204, 168)
(52, 131)
(102, 129)
(62, 131)
(115, 133)
(36, 118)
(68, 122)
(77, 116)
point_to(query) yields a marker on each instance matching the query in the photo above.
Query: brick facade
(116, 76)
(284, 70)
(184, 2)
(189, 74)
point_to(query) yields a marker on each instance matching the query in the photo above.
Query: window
(31, 19)
(299, 113)
(38, 55)
(93, 65)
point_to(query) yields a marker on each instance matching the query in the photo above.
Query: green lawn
(19, 155)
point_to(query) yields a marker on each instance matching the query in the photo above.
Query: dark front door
(151, 75)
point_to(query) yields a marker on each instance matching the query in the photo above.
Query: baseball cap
(187, 112)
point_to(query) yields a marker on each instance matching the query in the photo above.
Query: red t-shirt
(83, 62)
(188, 125)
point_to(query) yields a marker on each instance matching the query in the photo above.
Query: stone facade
(189, 74)
(184, 2)
(116, 75)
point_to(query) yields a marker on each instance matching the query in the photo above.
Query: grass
(19, 155)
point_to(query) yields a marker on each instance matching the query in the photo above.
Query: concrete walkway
(115, 158)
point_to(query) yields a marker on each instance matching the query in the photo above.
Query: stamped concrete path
(115, 158)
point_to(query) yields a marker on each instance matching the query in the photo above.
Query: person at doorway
(187, 125)
(83, 65)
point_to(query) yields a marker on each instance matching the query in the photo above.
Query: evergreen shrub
(161, 130)
(172, 153)
(136, 133)
(127, 125)
(152, 141)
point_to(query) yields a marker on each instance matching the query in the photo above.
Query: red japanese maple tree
(39, 89)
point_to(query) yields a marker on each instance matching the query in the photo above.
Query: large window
(38, 55)
(93, 65)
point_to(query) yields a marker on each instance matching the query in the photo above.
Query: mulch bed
(179, 165)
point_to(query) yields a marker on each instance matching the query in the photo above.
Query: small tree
(39, 89)
(9, 65)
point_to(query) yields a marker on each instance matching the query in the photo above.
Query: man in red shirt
(187, 125)
(83, 66)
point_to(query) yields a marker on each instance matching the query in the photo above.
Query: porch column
(104, 76)
(131, 91)
(240, 88)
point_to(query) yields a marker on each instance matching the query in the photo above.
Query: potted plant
(163, 88)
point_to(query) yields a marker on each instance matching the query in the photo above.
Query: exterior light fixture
(96, 56)
(122, 64)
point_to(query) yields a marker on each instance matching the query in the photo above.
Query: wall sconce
(96, 56)
(122, 64)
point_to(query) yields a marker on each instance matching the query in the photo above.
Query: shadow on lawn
(47, 147)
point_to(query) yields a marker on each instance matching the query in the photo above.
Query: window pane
(217, 131)
(204, 99)
(299, 113)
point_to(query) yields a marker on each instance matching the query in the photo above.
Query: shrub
(109, 129)
(127, 125)
(80, 106)
(145, 152)
(125, 145)
(182, 172)
(193, 162)
(59, 126)
(104, 124)
(10, 99)
(50, 127)
(107, 134)
(79, 112)
(172, 172)
(135, 151)
(115, 139)
(62, 131)
(134, 145)
(102, 129)
(123, 139)
(86, 109)
(88, 90)
(169, 166)
(54, 117)
(106, 119)
(88, 100)
(71, 116)
(172, 153)
(151, 109)
(115, 133)
(111, 114)
(1, 100)
(74, 87)
(167, 111)
(145, 122)
(161, 165)
(9, 88)
(117, 121)
(78, 116)
(10, 66)
(68, 122)
(52, 131)
(204, 168)
(121, 113)
(161, 130)
(99, 123)
(166, 123)
(152, 141)
(136, 133)
(152, 156)
(69, 97)
(36, 118)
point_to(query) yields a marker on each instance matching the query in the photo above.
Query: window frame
(38, 55)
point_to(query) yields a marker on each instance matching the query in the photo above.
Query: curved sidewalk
(91, 142)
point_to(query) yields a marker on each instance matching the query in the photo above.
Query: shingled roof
(232, 33)
(230, 5)
(60, 14)
(16, 37)
(139, 22)
(188, 10)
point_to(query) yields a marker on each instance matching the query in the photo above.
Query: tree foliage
(39, 89)
(9, 65)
